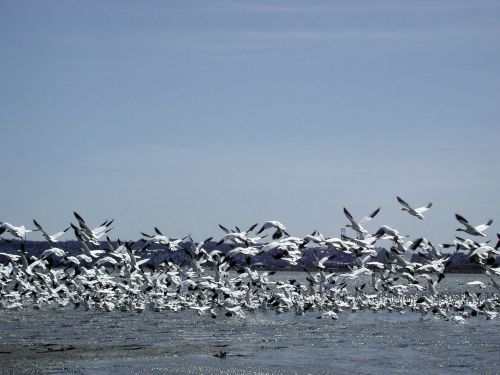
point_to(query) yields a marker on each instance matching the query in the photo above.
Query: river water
(75, 341)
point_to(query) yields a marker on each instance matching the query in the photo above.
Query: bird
(477, 283)
(122, 278)
(475, 231)
(390, 232)
(280, 229)
(92, 235)
(417, 212)
(19, 232)
(52, 238)
(358, 225)
(238, 237)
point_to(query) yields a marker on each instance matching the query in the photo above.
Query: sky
(186, 114)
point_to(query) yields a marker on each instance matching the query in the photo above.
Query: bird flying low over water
(475, 231)
(417, 212)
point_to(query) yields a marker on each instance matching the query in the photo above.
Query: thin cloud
(348, 6)
(370, 34)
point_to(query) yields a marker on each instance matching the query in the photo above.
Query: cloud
(370, 33)
(349, 6)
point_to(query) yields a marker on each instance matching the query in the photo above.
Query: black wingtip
(78, 217)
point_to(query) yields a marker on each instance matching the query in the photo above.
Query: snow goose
(92, 235)
(358, 225)
(475, 231)
(52, 238)
(19, 232)
(417, 212)
(280, 228)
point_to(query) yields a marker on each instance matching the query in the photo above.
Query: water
(73, 341)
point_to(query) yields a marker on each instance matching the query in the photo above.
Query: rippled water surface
(73, 341)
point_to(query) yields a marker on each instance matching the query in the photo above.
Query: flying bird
(358, 225)
(19, 232)
(280, 228)
(92, 235)
(475, 231)
(52, 238)
(417, 212)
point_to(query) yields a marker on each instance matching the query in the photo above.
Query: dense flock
(226, 280)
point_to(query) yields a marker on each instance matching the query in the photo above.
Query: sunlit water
(73, 341)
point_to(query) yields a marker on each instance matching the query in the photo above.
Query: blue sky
(186, 114)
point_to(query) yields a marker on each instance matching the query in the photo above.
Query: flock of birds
(108, 277)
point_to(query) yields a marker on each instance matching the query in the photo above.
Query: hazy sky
(186, 114)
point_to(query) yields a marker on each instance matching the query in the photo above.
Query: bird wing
(482, 227)
(40, 229)
(252, 227)
(37, 225)
(78, 217)
(55, 236)
(400, 200)
(461, 219)
(349, 216)
(423, 209)
(227, 231)
(369, 217)
(267, 224)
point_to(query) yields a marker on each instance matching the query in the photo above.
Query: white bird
(478, 283)
(19, 232)
(238, 237)
(358, 225)
(482, 253)
(52, 238)
(92, 235)
(320, 263)
(475, 231)
(392, 233)
(417, 212)
(158, 238)
(280, 228)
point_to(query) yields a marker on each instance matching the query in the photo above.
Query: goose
(367, 243)
(484, 253)
(392, 234)
(320, 263)
(157, 238)
(238, 237)
(237, 230)
(84, 247)
(124, 281)
(417, 212)
(329, 314)
(459, 244)
(19, 232)
(437, 265)
(315, 237)
(52, 238)
(358, 225)
(92, 235)
(477, 283)
(280, 228)
(475, 231)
